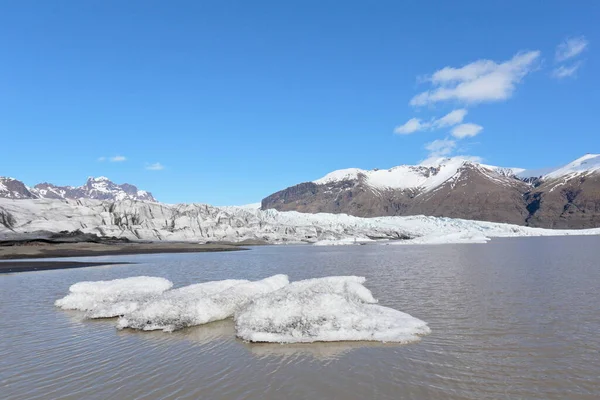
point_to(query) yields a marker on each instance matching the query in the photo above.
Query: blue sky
(225, 102)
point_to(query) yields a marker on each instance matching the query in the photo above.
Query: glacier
(198, 304)
(139, 220)
(324, 310)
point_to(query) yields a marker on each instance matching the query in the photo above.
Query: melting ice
(268, 310)
(196, 306)
(104, 299)
(325, 309)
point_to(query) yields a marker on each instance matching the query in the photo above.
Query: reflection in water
(515, 318)
(324, 351)
(200, 335)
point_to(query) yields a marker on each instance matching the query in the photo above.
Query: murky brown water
(513, 319)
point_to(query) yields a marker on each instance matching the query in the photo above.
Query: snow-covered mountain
(11, 188)
(100, 188)
(457, 188)
(204, 223)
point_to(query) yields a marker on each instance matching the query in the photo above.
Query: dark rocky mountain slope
(568, 197)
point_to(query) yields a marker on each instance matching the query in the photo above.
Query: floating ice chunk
(193, 307)
(343, 242)
(447, 238)
(325, 309)
(103, 299)
(174, 305)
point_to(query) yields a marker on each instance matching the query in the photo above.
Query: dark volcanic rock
(570, 203)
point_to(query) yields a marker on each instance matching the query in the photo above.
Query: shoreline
(11, 267)
(85, 249)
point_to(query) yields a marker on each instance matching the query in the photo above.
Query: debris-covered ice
(192, 306)
(325, 309)
(174, 306)
(103, 299)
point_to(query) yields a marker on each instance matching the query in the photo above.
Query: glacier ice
(343, 242)
(104, 299)
(338, 308)
(203, 223)
(325, 309)
(174, 306)
(192, 307)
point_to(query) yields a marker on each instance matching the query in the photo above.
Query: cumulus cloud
(565, 71)
(452, 118)
(440, 148)
(480, 81)
(118, 159)
(411, 126)
(570, 48)
(444, 148)
(415, 124)
(155, 167)
(466, 130)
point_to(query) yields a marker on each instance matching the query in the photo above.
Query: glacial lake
(511, 319)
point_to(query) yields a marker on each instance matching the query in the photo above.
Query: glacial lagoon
(514, 318)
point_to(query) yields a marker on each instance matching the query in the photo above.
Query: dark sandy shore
(55, 250)
(24, 266)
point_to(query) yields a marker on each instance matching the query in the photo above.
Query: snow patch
(325, 309)
(424, 177)
(587, 164)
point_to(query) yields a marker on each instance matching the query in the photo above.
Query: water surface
(515, 318)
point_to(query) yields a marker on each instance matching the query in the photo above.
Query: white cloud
(466, 130)
(563, 72)
(480, 81)
(440, 148)
(118, 159)
(452, 118)
(570, 48)
(476, 159)
(411, 126)
(100, 159)
(155, 167)
(415, 124)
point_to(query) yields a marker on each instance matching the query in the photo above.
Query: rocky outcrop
(566, 203)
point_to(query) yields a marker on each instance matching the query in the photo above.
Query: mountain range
(562, 198)
(566, 197)
(100, 188)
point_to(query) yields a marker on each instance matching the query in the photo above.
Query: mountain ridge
(456, 188)
(100, 188)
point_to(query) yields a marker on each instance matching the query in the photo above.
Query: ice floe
(191, 307)
(338, 308)
(325, 309)
(103, 299)
(343, 242)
